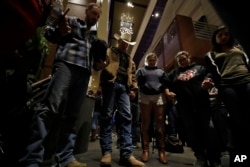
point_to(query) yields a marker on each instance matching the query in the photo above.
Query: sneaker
(106, 159)
(131, 161)
(76, 163)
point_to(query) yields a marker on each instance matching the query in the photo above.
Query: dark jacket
(228, 68)
(186, 84)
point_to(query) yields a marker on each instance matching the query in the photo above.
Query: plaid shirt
(75, 47)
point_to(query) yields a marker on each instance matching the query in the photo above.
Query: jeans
(135, 122)
(95, 120)
(236, 99)
(172, 128)
(64, 97)
(135, 128)
(195, 124)
(116, 94)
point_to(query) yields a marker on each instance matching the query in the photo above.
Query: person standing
(230, 68)
(116, 81)
(76, 50)
(184, 85)
(152, 102)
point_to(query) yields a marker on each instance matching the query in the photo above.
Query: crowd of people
(137, 95)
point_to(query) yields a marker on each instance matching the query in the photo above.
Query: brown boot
(132, 162)
(145, 156)
(162, 157)
(160, 132)
(76, 163)
(161, 150)
(145, 146)
(106, 159)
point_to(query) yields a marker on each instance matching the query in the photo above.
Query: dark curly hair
(216, 46)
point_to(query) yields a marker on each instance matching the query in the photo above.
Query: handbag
(173, 145)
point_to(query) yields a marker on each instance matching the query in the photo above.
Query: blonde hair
(183, 52)
(187, 54)
(149, 55)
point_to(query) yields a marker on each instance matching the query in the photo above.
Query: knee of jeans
(127, 120)
(43, 112)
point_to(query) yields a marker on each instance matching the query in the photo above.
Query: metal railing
(38, 90)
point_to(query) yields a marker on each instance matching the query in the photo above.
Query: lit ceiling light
(129, 4)
(156, 15)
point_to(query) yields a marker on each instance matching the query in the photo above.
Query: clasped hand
(207, 84)
(64, 27)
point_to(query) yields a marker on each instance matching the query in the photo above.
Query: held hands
(132, 94)
(171, 96)
(207, 84)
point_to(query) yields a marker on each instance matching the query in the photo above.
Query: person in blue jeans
(77, 54)
(117, 79)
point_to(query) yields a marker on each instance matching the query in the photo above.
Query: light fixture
(129, 4)
(127, 21)
(126, 24)
(156, 15)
